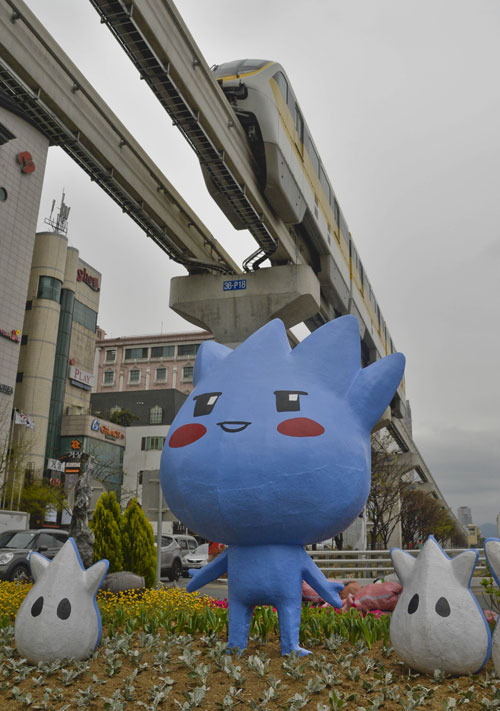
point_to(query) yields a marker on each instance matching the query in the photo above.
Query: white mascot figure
(59, 617)
(492, 550)
(437, 622)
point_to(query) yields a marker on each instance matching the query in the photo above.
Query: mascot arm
(212, 571)
(328, 590)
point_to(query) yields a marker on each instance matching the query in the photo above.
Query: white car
(198, 558)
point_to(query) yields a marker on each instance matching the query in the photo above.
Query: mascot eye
(205, 403)
(443, 607)
(288, 400)
(413, 604)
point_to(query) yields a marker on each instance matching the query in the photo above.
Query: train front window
(280, 80)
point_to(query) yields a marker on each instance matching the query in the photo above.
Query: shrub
(106, 525)
(138, 544)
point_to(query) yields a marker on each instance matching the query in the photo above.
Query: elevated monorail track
(193, 115)
(59, 101)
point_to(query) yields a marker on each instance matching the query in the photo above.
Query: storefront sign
(81, 378)
(93, 282)
(109, 433)
(7, 389)
(25, 160)
(11, 335)
(55, 465)
(73, 467)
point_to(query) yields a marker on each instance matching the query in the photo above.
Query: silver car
(198, 558)
(171, 558)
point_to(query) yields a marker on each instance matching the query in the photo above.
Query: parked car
(188, 544)
(16, 546)
(198, 558)
(171, 558)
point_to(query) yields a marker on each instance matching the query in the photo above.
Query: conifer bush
(138, 543)
(106, 525)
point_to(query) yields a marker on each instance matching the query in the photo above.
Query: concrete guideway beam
(232, 309)
(412, 454)
(84, 126)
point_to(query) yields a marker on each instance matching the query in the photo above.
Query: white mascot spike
(492, 550)
(437, 622)
(59, 617)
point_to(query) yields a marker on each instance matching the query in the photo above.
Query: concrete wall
(18, 218)
(137, 460)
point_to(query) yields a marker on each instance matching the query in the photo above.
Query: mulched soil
(374, 676)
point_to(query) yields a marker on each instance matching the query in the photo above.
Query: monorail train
(297, 187)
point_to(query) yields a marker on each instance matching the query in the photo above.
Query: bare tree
(422, 515)
(16, 443)
(389, 481)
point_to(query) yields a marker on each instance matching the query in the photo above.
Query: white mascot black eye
(443, 607)
(37, 606)
(413, 604)
(64, 609)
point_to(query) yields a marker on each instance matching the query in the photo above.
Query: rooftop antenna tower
(60, 222)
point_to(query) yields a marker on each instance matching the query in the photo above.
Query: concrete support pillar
(234, 307)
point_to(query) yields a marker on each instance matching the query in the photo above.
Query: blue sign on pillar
(234, 284)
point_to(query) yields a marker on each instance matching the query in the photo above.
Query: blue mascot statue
(270, 452)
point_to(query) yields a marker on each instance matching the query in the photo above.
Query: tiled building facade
(147, 362)
(23, 153)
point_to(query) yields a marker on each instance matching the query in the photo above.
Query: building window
(84, 316)
(155, 415)
(136, 353)
(29, 305)
(134, 376)
(161, 375)
(188, 349)
(110, 356)
(19, 377)
(3, 195)
(108, 377)
(148, 443)
(162, 351)
(24, 340)
(49, 288)
(5, 135)
(187, 374)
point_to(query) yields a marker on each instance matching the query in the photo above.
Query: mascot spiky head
(273, 444)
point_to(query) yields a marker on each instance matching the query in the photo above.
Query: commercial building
(55, 370)
(23, 153)
(156, 362)
(154, 411)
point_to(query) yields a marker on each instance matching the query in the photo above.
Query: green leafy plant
(138, 545)
(106, 525)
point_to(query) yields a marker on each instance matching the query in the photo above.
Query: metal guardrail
(374, 564)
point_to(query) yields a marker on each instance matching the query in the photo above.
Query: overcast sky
(403, 102)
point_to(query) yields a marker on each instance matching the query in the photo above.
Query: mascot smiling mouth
(237, 426)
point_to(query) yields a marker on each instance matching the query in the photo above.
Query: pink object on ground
(376, 596)
(310, 595)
